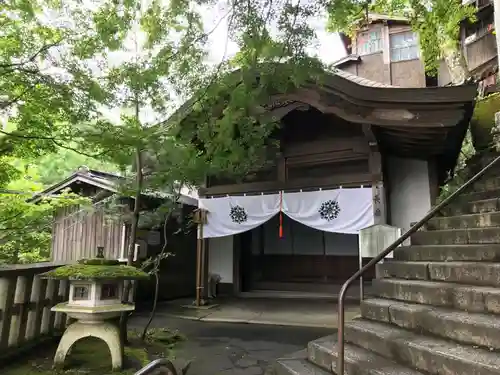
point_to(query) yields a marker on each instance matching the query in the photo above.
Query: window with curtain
(404, 46)
(369, 42)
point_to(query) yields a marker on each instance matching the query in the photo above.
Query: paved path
(290, 312)
(234, 348)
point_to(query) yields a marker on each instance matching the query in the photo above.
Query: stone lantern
(96, 287)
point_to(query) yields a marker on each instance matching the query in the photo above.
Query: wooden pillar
(200, 218)
(204, 270)
(375, 165)
(199, 263)
(281, 167)
(433, 181)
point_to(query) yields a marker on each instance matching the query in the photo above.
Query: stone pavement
(288, 312)
(233, 349)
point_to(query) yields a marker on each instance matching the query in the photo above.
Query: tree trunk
(455, 61)
(155, 304)
(137, 207)
(132, 240)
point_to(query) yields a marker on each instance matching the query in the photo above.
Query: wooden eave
(425, 123)
(104, 181)
(347, 60)
(399, 95)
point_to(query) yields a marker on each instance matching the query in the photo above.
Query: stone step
(476, 207)
(471, 252)
(484, 220)
(479, 195)
(481, 161)
(471, 273)
(428, 354)
(487, 183)
(467, 328)
(462, 297)
(489, 235)
(295, 366)
(357, 360)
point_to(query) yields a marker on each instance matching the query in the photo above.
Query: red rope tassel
(281, 214)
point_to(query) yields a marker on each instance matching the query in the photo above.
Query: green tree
(163, 47)
(220, 129)
(54, 167)
(47, 84)
(48, 73)
(25, 225)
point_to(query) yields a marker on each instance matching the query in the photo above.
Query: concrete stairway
(434, 308)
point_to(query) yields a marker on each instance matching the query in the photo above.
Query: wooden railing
(25, 302)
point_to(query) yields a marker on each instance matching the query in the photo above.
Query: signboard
(376, 238)
(372, 241)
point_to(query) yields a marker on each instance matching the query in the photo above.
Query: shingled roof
(107, 181)
(360, 80)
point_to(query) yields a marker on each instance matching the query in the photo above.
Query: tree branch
(8, 103)
(32, 58)
(54, 141)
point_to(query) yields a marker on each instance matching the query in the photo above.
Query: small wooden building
(78, 231)
(352, 134)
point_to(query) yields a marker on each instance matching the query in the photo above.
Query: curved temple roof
(426, 123)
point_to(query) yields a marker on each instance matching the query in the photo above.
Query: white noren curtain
(338, 211)
(236, 214)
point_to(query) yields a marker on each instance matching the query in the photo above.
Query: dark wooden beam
(353, 144)
(354, 179)
(419, 130)
(324, 158)
(438, 137)
(413, 151)
(369, 135)
(281, 165)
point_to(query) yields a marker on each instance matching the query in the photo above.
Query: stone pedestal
(106, 331)
(92, 321)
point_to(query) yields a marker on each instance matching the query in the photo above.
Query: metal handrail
(161, 362)
(383, 254)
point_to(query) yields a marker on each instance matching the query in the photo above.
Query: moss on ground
(90, 356)
(92, 272)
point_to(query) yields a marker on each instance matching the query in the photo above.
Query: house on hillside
(77, 232)
(371, 154)
(386, 50)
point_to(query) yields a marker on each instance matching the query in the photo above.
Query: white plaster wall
(410, 195)
(220, 257)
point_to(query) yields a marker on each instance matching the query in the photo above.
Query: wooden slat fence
(76, 233)
(25, 302)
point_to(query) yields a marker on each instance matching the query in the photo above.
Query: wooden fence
(25, 302)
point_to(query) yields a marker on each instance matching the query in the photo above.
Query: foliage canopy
(64, 65)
